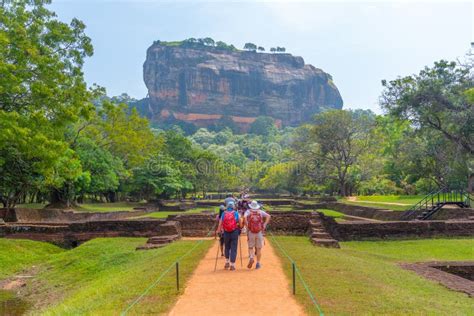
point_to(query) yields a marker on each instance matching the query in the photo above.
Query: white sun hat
(254, 205)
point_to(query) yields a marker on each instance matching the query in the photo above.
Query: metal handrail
(418, 205)
(441, 196)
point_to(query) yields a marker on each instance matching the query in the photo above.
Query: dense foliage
(63, 142)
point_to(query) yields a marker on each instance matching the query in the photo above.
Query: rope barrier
(141, 296)
(298, 273)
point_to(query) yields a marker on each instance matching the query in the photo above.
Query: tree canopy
(64, 142)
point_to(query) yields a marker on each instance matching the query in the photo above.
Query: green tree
(273, 50)
(281, 177)
(438, 98)
(263, 125)
(261, 49)
(338, 139)
(104, 169)
(225, 122)
(31, 158)
(42, 91)
(160, 177)
(208, 41)
(250, 47)
(124, 133)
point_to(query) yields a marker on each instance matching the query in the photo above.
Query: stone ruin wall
(26, 215)
(72, 228)
(72, 234)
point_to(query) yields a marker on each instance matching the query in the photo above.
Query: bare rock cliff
(201, 85)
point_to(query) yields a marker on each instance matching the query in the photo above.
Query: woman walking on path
(230, 224)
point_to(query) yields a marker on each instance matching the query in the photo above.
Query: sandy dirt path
(241, 292)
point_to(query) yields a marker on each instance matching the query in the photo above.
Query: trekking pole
(240, 246)
(294, 277)
(217, 255)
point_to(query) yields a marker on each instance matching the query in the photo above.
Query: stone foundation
(195, 225)
(290, 223)
(455, 275)
(26, 215)
(72, 234)
(346, 231)
(464, 269)
(387, 215)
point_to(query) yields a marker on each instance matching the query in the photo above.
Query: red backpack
(255, 222)
(229, 221)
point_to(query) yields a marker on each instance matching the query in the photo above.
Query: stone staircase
(158, 242)
(318, 233)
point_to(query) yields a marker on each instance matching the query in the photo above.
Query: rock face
(201, 85)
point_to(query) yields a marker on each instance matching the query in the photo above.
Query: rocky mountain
(202, 84)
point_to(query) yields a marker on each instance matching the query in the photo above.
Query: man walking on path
(230, 224)
(256, 221)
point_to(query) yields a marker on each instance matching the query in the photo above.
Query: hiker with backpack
(230, 224)
(256, 221)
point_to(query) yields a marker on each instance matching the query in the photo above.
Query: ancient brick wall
(70, 234)
(195, 225)
(286, 223)
(25, 215)
(387, 215)
(401, 229)
(289, 223)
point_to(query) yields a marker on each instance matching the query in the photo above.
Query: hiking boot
(258, 265)
(232, 268)
(227, 265)
(250, 263)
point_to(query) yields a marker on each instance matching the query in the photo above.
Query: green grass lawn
(107, 207)
(278, 207)
(363, 278)
(384, 201)
(326, 212)
(31, 205)
(331, 213)
(103, 276)
(378, 205)
(16, 255)
(191, 211)
(404, 199)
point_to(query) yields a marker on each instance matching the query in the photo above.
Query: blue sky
(358, 43)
